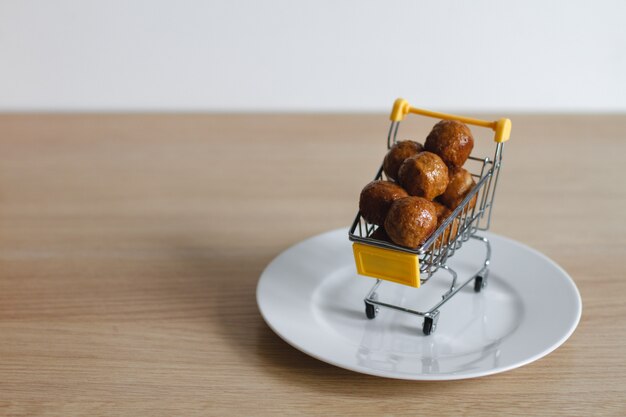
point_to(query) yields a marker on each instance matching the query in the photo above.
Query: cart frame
(421, 263)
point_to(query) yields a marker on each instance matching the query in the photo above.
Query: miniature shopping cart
(413, 267)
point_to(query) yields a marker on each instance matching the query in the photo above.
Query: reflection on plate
(312, 297)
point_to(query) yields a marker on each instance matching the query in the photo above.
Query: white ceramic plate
(312, 297)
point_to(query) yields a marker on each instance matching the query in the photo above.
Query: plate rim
(421, 376)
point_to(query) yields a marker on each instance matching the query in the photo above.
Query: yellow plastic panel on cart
(390, 265)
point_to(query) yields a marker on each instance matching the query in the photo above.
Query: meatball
(380, 234)
(441, 210)
(376, 199)
(397, 154)
(452, 141)
(424, 175)
(461, 183)
(411, 221)
(452, 228)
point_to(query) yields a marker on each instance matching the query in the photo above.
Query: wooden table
(131, 246)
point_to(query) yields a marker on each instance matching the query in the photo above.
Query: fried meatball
(450, 231)
(424, 175)
(461, 183)
(397, 154)
(441, 210)
(411, 221)
(376, 199)
(380, 234)
(452, 141)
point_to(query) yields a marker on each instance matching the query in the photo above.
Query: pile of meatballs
(425, 184)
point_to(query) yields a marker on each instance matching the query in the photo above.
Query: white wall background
(318, 55)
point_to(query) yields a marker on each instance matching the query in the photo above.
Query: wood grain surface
(131, 245)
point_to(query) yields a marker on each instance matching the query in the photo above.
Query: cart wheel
(370, 311)
(428, 326)
(479, 283)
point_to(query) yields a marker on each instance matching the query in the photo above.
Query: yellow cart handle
(502, 127)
